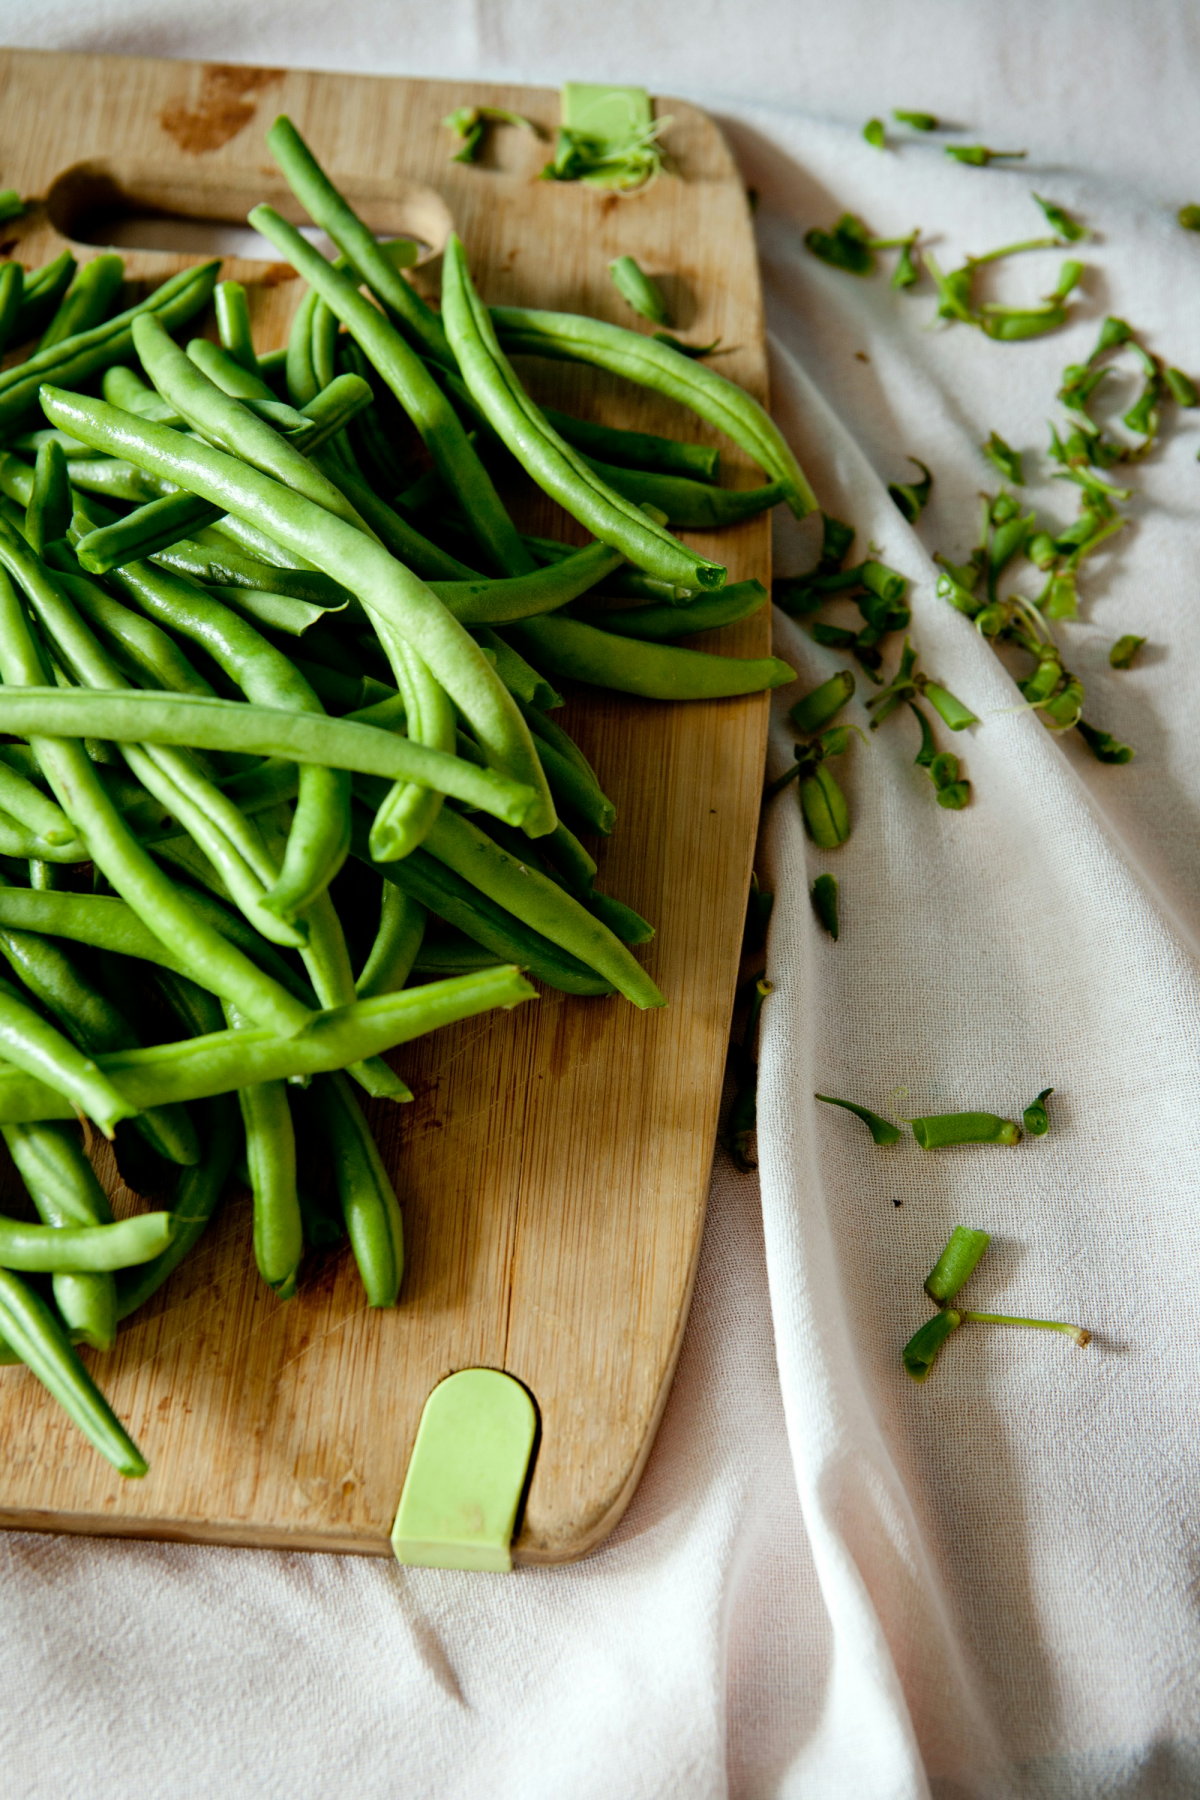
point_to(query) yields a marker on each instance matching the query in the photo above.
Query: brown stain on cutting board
(221, 109)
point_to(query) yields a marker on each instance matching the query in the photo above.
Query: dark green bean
(556, 467)
(414, 387)
(194, 1202)
(659, 624)
(42, 290)
(396, 598)
(12, 288)
(578, 652)
(397, 941)
(63, 1187)
(369, 1204)
(690, 505)
(76, 358)
(27, 1323)
(655, 365)
(220, 564)
(87, 300)
(637, 449)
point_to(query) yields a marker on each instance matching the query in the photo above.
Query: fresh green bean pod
(484, 602)
(12, 291)
(233, 324)
(636, 449)
(122, 387)
(397, 941)
(956, 1263)
(369, 1204)
(42, 289)
(40, 815)
(127, 866)
(414, 387)
(149, 654)
(87, 301)
(79, 1249)
(220, 564)
(197, 1068)
(690, 505)
(358, 244)
(652, 364)
(527, 685)
(556, 467)
(659, 624)
(503, 936)
(50, 506)
(575, 651)
(639, 290)
(271, 1161)
(231, 376)
(405, 542)
(30, 1043)
(76, 358)
(195, 1200)
(63, 1187)
(28, 1325)
(390, 592)
(540, 903)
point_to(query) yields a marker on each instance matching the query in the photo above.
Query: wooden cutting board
(554, 1167)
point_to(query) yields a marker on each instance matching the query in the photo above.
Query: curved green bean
(368, 1199)
(483, 602)
(690, 505)
(397, 941)
(136, 716)
(87, 300)
(91, 1249)
(31, 1043)
(271, 1162)
(321, 200)
(195, 1199)
(122, 387)
(557, 468)
(389, 591)
(122, 860)
(27, 1323)
(405, 542)
(637, 449)
(148, 652)
(40, 815)
(63, 1187)
(659, 624)
(655, 365)
(76, 358)
(578, 652)
(414, 387)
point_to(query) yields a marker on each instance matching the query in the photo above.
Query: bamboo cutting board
(554, 1166)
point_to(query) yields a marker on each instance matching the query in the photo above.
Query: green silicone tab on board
(611, 115)
(467, 1472)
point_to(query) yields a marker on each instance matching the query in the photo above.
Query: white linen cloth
(830, 1583)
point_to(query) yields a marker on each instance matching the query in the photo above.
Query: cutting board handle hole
(132, 206)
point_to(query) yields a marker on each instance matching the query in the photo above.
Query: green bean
(122, 387)
(50, 506)
(27, 1323)
(453, 953)
(956, 1263)
(233, 323)
(319, 839)
(690, 505)
(407, 813)
(127, 866)
(148, 652)
(483, 602)
(162, 523)
(62, 1185)
(227, 422)
(938, 1130)
(222, 565)
(29, 1042)
(194, 1201)
(557, 468)
(231, 376)
(83, 1249)
(397, 941)
(40, 815)
(271, 1161)
(636, 449)
(404, 541)
(98, 920)
(42, 290)
(573, 781)
(370, 263)
(639, 290)
(195, 1069)
(12, 288)
(87, 300)
(414, 387)
(659, 624)
(76, 358)
(136, 716)
(391, 593)
(369, 1204)
(443, 893)
(95, 1025)
(387, 469)
(525, 683)
(578, 652)
(655, 365)
(540, 903)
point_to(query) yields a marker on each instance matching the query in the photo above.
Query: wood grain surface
(554, 1167)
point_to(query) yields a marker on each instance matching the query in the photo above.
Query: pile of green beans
(279, 765)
